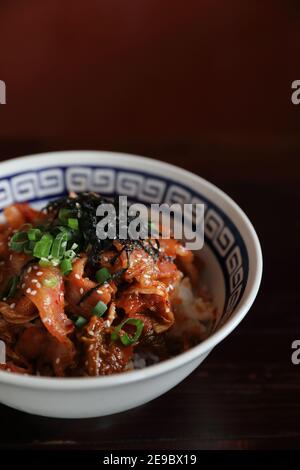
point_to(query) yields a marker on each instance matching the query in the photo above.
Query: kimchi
(75, 305)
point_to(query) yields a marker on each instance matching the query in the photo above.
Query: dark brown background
(205, 85)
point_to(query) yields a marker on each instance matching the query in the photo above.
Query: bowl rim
(241, 220)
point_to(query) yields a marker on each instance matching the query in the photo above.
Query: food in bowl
(73, 305)
(232, 257)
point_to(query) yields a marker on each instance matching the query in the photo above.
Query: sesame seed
(99, 292)
(33, 292)
(39, 273)
(81, 290)
(57, 361)
(34, 281)
(12, 305)
(10, 257)
(28, 291)
(77, 276)
(4, 298)
(91, 333)
(29, 269)
(38, 285)
(35, 267)
(23, 285)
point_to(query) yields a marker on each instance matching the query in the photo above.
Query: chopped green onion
(29, 247)
(55, 261)
(66, 266)
(59, 245)
(61, 228)
(80, 322)
(99, 309)
(125, 338)
(102, 275)
(64, 214)
(45, 262)
(12, 286)
(73, 224)
(43, 246)
(34, 234)
(50, 282)
(18, 241)
(66, 231)
(70, 254)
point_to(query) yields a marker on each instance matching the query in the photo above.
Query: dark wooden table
(246, 395)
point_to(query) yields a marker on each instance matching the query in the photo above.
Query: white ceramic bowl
(233, 271)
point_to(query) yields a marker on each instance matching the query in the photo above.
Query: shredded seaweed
(84, 206)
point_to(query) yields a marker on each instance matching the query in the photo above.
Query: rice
(138, 361)
(142, 360)
(194, 316)
(194, 319)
